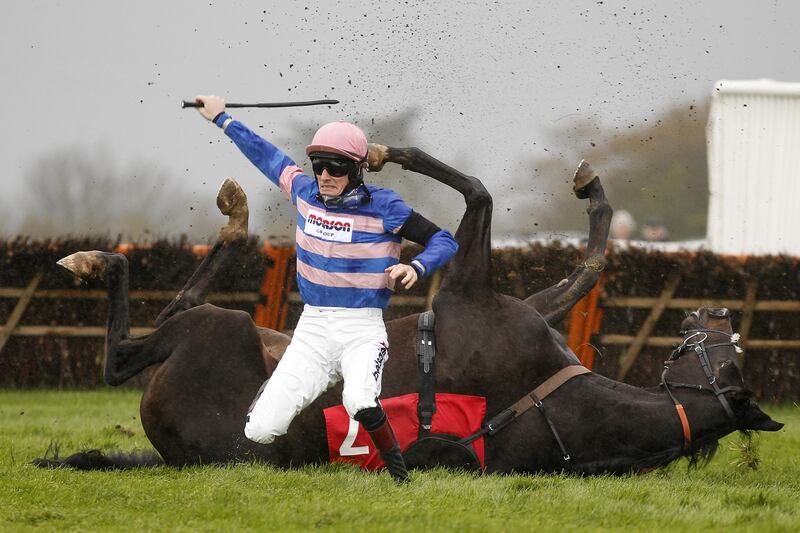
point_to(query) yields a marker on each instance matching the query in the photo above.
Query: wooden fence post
(638, 342)
(584, 321)
(593, 320)
(286, 283)
(19, 309)
(577, 319)
(270, 312)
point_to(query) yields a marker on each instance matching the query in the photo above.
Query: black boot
(377, 425)
(389, 452)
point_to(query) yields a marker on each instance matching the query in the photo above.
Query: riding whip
(187, 103)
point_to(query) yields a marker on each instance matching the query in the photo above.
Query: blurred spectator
(623, 225)
(654, 230)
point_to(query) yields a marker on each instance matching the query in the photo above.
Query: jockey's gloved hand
(212, 106)
(407, 272)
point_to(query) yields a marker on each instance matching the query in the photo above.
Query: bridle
(696, 340)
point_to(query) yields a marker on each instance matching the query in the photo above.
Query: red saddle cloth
(456, 414)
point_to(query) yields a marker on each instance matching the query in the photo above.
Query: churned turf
(726, 495)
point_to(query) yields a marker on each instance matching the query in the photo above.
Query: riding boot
(389, 452)
(380, 431)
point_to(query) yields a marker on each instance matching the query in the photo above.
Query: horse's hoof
(584, 176)
(231, 198)
(377, 155)
(85, 265)
(232, 201)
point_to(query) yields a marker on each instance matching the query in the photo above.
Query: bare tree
(654, 169)
(80, 192)
(5, 220)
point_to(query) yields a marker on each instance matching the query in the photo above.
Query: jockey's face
(332, 173)
(330, 185)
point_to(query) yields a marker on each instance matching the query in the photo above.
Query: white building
(753, 137)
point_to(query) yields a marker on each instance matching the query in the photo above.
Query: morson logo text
(331, 228)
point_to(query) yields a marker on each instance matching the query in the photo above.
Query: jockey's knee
(263, 423)
(355, 402)
(258, 432)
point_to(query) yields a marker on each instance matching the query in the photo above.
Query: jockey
(348, 247)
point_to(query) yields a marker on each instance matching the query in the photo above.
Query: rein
(713, 387)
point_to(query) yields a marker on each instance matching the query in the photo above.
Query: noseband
(696, 340)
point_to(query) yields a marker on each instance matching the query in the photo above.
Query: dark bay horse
(213, 360)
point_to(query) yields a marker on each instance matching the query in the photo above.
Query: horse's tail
(97, 460)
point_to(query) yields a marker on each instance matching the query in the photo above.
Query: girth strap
(545, 389)
(426, 354)
(532, 399)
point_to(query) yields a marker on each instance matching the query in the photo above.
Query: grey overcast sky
(484, 78)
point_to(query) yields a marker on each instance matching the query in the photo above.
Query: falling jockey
(348, 247)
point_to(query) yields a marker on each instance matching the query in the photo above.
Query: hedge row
(165, 265)
(76, 362)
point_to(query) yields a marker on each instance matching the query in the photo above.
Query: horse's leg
(470, 269)
(125, 356)
(555, 302)
(232, 202)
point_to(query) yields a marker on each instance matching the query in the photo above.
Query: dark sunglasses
(335, 167)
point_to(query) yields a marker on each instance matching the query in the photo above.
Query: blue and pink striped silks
(342, 253)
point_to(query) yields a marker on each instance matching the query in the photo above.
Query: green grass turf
(723, 496)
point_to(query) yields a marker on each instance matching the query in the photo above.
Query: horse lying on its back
(491, 345)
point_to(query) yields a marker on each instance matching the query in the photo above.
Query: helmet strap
(347, 200)
(354, 179)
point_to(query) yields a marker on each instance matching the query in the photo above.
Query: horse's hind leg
(470, 269)
(555, 302)
(232, 202)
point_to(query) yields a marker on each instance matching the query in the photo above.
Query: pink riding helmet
(341, 137)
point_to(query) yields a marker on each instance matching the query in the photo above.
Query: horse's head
(707, 359)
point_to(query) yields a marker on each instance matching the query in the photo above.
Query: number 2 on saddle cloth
(457, 415)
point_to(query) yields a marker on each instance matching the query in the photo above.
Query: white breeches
(329, 344)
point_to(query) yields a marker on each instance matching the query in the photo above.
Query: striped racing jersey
(342, 253)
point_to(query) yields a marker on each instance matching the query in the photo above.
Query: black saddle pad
(441, 450)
